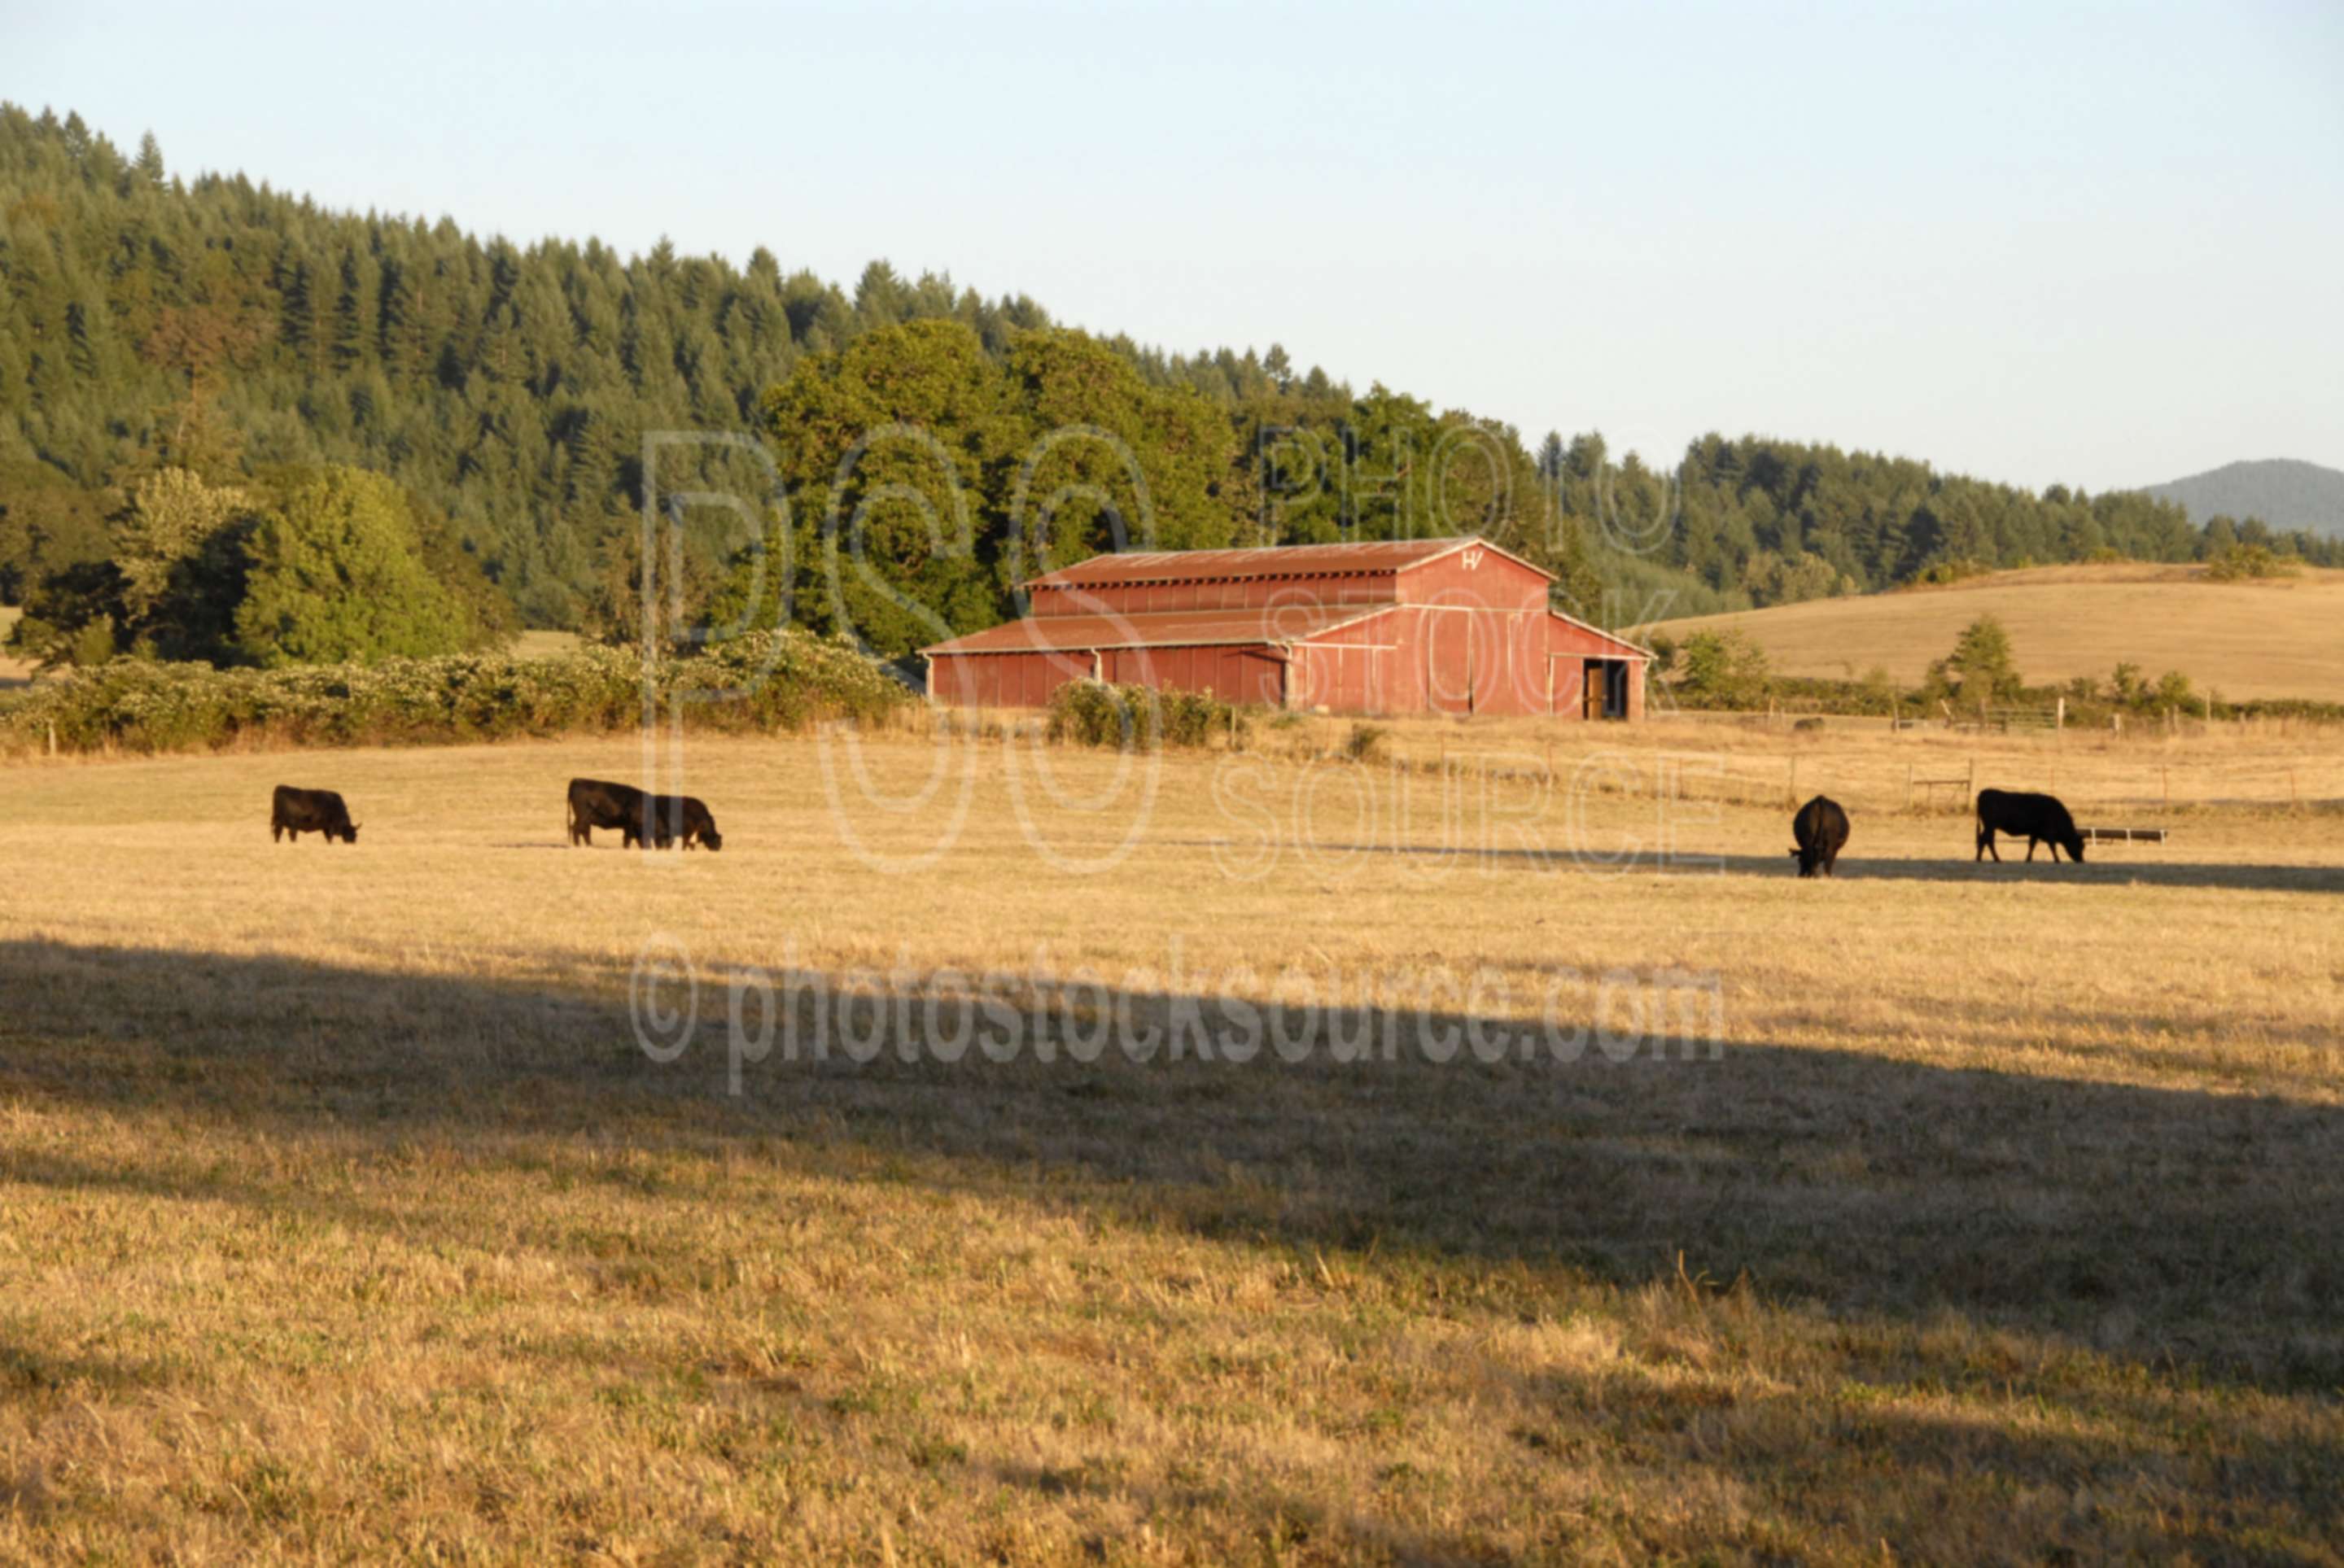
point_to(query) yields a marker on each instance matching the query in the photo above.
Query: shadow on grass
(2169, 1226)
(2107, 868)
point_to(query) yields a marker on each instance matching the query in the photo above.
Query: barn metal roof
(1378, 557)
(1161, 628)
(1637, 650)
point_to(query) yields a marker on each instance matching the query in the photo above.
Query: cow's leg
(1985, 845)
(277, 832)
(2030, 850)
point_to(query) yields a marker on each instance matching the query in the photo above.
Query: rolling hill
(2250, 639)
(2281, 491)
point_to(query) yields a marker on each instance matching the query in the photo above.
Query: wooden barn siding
(1022, 679)
(1422, 659)
(1234, 674)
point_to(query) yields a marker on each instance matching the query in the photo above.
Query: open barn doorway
(1605, 683)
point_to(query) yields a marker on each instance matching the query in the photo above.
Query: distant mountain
(2282, 492)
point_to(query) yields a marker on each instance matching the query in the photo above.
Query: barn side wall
(1022, 679)
(1029, 677)
(1245, 674)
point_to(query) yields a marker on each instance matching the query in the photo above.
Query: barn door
(1603, 684)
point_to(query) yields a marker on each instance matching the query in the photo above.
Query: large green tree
(925, 478)
(336, 574)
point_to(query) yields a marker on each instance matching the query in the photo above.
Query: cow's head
(2074, 844)
(349, 833)
(1809, 859)
(711, 838)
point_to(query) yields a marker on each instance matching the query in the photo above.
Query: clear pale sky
(2097, 243)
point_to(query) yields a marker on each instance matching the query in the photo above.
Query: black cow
(1821, 829)
(593, 803)
(2038, 819)
(300, 812)
(686, 817)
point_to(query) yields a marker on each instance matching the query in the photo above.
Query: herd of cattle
(661, 820)
(664, 822)
(1821, 829)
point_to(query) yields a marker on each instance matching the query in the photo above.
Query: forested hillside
(149, 323)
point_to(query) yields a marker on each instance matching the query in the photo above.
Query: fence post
(2059, 722)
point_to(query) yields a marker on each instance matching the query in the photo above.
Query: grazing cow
(300, 812)
(2038, 819)
(686, 817)
(594, 803)
(1821, 830)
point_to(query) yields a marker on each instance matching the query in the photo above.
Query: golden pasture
(2277, 637)
(1938, 1213)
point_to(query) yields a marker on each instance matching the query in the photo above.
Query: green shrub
(1129, 718)
(1721, 670)
(1952, 569)
(2240, 563)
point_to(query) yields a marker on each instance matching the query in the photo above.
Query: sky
(2096, 245)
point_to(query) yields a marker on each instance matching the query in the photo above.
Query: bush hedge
(1140, 718)
(767, 680)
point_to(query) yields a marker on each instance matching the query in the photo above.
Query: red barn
(1452, 626)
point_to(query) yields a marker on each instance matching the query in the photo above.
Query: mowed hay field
(343, 1216)
(2272, 639)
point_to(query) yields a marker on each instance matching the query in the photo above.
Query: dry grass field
(544, 644)
(2277, 638)
(343, 1216)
